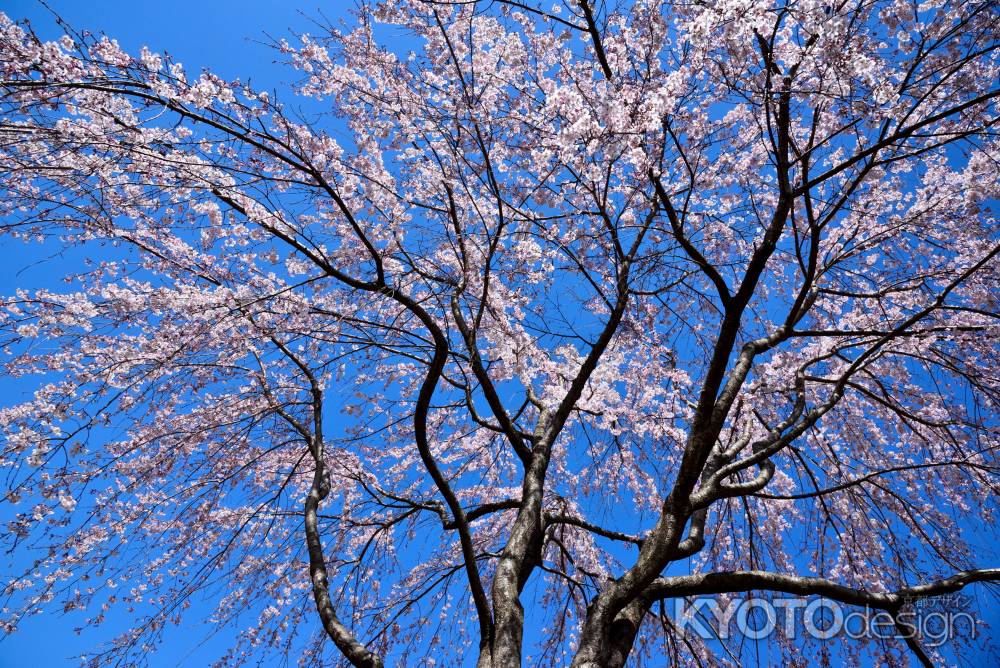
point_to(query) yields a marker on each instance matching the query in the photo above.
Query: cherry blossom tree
(483, 343)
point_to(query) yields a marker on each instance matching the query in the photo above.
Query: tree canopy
(505, 324)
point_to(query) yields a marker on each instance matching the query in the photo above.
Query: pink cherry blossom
(556, 313)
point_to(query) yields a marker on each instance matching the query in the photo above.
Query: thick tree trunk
(519, 557)
(614, 616)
